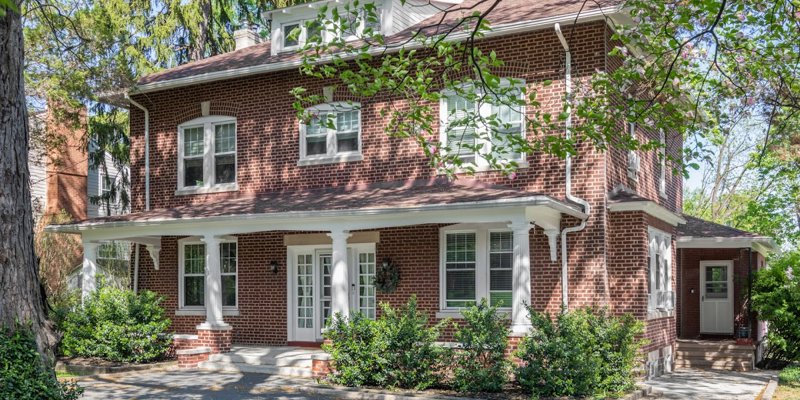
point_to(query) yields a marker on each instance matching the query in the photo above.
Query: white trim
(650, 208)
(762, 244)
(201, 310)
(498, 30)
(662, 175)
(634, 159)
(209, 185)
(660, 298)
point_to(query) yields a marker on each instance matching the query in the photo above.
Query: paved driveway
(199, 385)
(710, 385)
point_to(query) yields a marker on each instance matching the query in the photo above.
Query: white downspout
(136, 268)
(146, 152)
(570, 197)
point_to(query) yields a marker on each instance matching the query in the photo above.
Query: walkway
(710, 385)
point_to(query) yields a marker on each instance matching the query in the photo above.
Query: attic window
(289, 40)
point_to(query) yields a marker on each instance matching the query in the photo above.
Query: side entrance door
(309, 288)
(716, 297)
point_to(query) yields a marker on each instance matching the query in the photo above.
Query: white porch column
(89, 271)
(340, 281)
(213, 292)
(521, 289)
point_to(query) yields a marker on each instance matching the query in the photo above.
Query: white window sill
(229, 312)
(658, 314)
(456, 314)
(342, 158)
(224, 187)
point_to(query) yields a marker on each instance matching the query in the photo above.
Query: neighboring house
(62, 181)
(258, 228)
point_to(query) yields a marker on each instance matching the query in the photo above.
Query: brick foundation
(321, 366)
(218, 340)
(191, 358)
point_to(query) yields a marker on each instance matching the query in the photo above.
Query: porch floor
(274, 360)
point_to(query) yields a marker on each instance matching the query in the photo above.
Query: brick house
(257, 227)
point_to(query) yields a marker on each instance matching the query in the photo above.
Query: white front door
(309, 289)
(716, 297)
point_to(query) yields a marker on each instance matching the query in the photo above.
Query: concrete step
(298, 361)
(742, 366)
(712, 346)
(713, 355)
(259, 369)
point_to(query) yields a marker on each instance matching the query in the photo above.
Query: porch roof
(699, 233)
(384, 199)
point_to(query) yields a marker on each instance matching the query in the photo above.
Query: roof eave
(499, 30)
(762, 244)
(650, 208)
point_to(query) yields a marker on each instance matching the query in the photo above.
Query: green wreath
(387, 277)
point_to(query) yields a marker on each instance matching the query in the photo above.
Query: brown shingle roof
(696, 227)
(506, 12)
(382, 196)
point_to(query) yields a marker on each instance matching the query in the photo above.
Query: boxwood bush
(23, 373)
(581, 353)
(397, 350)
(479, 358)
(117, 325)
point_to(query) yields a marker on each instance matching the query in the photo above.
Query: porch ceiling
(349, 207)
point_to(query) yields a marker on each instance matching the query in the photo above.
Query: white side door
(303, 295)
(716, 297)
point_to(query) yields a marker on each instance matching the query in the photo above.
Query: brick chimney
(245, 38)
(67, 164)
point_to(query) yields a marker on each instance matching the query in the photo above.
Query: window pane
(346, 142)
(225, 168)
(194, 259)
(193, 172)
(227, 256)
(194, 290)
(193, 141)
(229, 290)
(224, 138)
(495, 298)
(460, 285)
(313, 31)
(717, 290)
(287, 31)
(316, 145)
(500, 279)
(460, 132)
(717, 273)
(347, 121)
(460, 247)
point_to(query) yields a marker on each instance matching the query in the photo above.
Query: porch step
(708, 354)
(259, 369)
(740, 366)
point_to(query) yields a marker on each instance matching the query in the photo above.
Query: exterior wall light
(273, 266)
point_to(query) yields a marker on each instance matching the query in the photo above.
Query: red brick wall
(689, 324)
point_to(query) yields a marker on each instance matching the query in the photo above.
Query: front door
(716, 297)
(309, 289)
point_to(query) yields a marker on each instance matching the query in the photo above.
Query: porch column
(521, 289)
(89, 271)
(340, 282)
(213, 292)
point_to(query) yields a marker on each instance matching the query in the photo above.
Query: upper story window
(295, 34)
(633, 155)
(303, 26)
(662, 178)
(477, 263)
(661, 296)
(332, 135)
(207, 155)
(474, 126)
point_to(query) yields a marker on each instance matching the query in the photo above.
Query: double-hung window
(633, 155)
(476, 125)
(192, 264)
(332, 134)
(659, 283)
(662, 177)
(296, 34)
(207, 155)
(477, 263)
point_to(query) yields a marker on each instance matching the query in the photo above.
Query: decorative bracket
(154, 253)
(552, 238)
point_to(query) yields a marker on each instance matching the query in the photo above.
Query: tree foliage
(776, 299)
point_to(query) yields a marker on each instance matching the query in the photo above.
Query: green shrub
(579, 353)
(790, 376)
(776, 299)
(397, 350)
(117, 325)
(480, 361)
(23, 374)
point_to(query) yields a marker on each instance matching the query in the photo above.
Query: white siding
(38, 181)
(93, 188)
(415, 11)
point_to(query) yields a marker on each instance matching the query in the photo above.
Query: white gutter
(499, 30)
(570, 197)
(146, 152)
(136, 268)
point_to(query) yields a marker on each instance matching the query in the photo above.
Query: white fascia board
(650, 208)
(479, 211)
(499, 30)
(762, 244)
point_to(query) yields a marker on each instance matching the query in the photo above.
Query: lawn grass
(789, 384)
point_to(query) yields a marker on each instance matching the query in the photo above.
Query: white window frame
(209, 186)
(484, 110)
(332, 155)
(662, 177)
(482, 271)
(201, 310)
(634, 161)
(661, 296)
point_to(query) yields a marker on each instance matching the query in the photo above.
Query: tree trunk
(21, 294)
(201, 41)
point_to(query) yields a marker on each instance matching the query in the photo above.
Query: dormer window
(207, 155)
(332, 135)
(291, 41)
